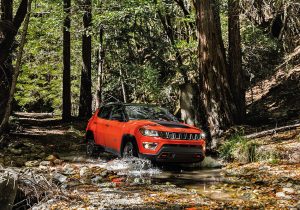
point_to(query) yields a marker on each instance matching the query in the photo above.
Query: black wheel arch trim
(125, 139)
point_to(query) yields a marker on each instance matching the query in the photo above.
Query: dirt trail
(51, 155)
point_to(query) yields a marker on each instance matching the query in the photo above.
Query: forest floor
(48, 159)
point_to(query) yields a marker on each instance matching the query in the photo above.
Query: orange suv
(146, 131)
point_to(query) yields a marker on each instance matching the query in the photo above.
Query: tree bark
(236, 75)
(9, 27)
(85, 105)
(66, 112)
(5, 119)
(100, 69)
(215, 101)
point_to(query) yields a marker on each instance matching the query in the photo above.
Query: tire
(91, 148)
(129, 150)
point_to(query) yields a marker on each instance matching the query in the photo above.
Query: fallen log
(272, 131)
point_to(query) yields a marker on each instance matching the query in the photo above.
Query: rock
(288, 190)
(58, 162)
(51, 158)
(69, 169)
(282, 195)
(8, 186)
(46, 163)
(97, 179)
(59, 177)
(85, 175)
(15, 151)
(33, 163)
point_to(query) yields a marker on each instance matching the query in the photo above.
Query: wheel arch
(89, 135)
(128, 138)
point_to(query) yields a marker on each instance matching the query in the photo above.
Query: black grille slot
(179, 136)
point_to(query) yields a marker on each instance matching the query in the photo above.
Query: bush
(238, 148)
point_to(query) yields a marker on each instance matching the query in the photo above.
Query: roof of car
(127, 104)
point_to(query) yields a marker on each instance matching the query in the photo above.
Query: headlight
(150, 145)
(147, 132)
(202, 135)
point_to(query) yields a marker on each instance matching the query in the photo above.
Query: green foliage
(238, 148)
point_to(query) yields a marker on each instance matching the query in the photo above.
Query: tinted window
(135, 112)
(105, 112)
(117, 113)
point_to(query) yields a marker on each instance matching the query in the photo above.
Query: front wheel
(91, 148)
(129, 150)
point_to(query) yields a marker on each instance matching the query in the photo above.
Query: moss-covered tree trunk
(215, 101)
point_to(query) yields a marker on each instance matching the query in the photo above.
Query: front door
(102, 128)
(116, 125)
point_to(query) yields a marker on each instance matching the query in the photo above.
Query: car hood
(170, 124)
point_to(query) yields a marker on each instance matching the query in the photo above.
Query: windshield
(142, 112)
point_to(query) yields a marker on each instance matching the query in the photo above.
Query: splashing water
(133, 167)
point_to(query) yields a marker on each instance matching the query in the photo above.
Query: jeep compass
(145, 131)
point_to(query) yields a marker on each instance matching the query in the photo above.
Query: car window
(105, 112)
(117, 113)
(141, 112)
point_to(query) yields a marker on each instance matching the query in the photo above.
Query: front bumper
(175, 153)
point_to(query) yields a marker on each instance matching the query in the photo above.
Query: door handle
(95, 123)
(107, 125)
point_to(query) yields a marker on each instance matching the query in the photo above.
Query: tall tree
(85, 106)
(236, 76)
(66, 113)
(12, 88)
(9, 27)
(100, 68)
(215, 99)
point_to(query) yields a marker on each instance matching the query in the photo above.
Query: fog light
(150, 145)
(202, 135)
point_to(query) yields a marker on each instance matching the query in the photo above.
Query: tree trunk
(5, 68)
(236, 75)
(100, 69)
(8, 30)
(215, 101)
(16, 70)
(123, 86)
(85, 104)
(66, 112)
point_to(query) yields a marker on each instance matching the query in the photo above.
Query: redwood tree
(85, 104)
(216, 103)
(66, 112)
(236, 75)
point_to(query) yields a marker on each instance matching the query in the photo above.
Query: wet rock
(33, 163)
(59, 177)
(85, 175)
(8, 186)
(288, 190)
(69, 169)
(46, 163)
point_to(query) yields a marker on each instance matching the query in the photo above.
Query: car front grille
(180, 136)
